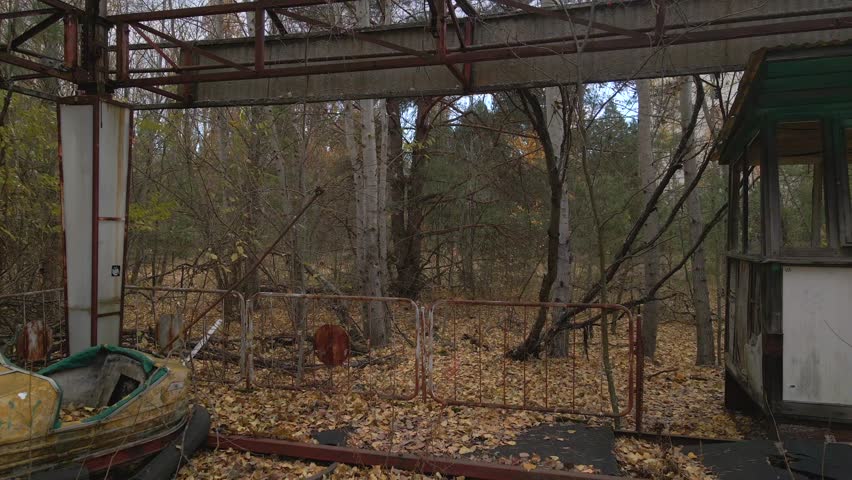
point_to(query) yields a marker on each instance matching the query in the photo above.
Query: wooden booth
(788, 146)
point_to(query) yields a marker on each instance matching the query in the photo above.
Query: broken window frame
(842, 159)
(775, 241)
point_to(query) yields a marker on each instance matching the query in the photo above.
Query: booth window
(735, 212)
(846, 171)
(801, 172)
(753, 213)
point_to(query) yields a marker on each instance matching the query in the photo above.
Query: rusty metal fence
(336, 344)
(470, 345)
(453, 352)
(216, 346)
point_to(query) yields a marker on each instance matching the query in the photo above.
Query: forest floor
(680, 399)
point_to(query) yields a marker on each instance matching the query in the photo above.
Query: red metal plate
(331, 345)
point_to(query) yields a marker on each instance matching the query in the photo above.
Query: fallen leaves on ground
(651, 460)
(684, 399)
(680, 398)
(227, 464)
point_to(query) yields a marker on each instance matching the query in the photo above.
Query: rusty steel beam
(412, 463)
(182, 44)
(259, 39)
(27, 13)
(355, 34)
(36, 29)
(503, 53)
(216, 10)
(166, 93)
(276, 20)
(64, 6)
(467, 8)
(28, 91)
(69, 54)
(122, 53)
(153, 45)
(6, 57)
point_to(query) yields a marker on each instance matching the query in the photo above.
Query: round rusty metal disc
(331, 344)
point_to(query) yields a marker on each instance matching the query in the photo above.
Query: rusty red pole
(186, 60)
(413, 463)
(122, 53)
(70, 47)
(259, 38)
(468, 41)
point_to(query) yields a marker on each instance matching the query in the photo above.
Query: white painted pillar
(94, 152)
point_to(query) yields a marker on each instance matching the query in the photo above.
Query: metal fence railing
(454, 352)
(332, 343)
(470, 342)
(154, 315)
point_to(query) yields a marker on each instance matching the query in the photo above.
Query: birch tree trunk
(358, 189)
(648, 178)
(705, 354)
(384, 158)
(377, 324)
(554, 111)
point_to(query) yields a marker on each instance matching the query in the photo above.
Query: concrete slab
(764, 460)
(573, 443)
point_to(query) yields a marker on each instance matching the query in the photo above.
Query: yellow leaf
(528, 466)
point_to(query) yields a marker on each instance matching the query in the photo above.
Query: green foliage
(145, 216)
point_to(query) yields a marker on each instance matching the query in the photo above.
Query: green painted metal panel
(808, 82)
(826, 98)
(810, 66)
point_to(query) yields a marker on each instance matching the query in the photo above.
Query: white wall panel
(77, 128)
(817, 323)
(114, 158)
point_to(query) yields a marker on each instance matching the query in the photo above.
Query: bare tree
(555, 155)
(700, 294)
(648, 177)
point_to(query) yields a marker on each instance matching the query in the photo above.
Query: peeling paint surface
(31, 438)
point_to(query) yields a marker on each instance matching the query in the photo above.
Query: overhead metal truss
(454, 40)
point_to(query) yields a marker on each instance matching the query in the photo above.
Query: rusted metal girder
(502, 53)
(34, 66)
(335, 30)
(27, 13)
(90, 73)
(188, 46)
(35, 29)
(64, 6)
(412, 463)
